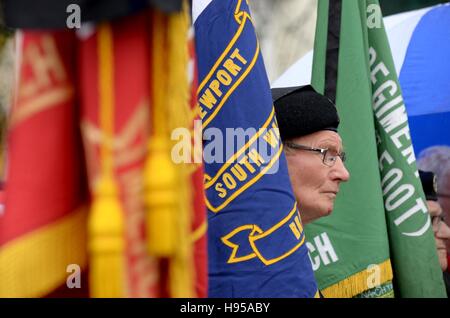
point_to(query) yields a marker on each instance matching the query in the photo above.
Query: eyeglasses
(436, 221)
(329, 156)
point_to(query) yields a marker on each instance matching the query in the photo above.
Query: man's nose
(341, 173)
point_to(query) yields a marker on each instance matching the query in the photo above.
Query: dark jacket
(447, 282)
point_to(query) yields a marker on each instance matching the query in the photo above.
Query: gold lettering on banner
(46, 85)
(134, 154)
(136, 124)
(42, 102)
(44, 60)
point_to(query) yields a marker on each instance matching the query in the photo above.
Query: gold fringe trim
(106, 242)
(182, 273)
(35, 264)
(168, 193)
(358, 283)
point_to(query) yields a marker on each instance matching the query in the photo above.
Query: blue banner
(424, 78)
(256, 242)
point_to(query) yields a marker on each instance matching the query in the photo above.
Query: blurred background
(292, 36)
(282, 43)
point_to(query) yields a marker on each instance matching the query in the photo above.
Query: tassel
(106, 220)
(160, 181)
(160, 198)
(106, 230)
(168, 196)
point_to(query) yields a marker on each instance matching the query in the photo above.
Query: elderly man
(308, 123)
(440, 228)
(437, 160)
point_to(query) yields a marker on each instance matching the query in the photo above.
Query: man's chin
(316, 212)
(330, 206)
(327, 209)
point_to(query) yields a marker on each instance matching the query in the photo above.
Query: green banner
(413, 253)
(351, 250)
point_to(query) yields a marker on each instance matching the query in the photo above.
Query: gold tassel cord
(181, 267)
(168, 195)
(106, 220)
(160, 194)
(160, 199)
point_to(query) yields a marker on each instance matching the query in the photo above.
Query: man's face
(315, 185)
(441, 232)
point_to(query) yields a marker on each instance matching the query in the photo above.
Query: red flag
(42, 230)
(131, 86)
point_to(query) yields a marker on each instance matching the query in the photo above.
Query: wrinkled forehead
(325, 139)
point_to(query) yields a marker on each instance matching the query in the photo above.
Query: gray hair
(437, 160)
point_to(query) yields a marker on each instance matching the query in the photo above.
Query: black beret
(429, 184)
(302, 111)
